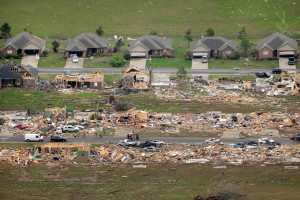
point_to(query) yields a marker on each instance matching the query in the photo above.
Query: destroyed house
(134, 78)
(24, 43)
(17, 75)
(276, 45)
(212, 46)
(148, 45)
(87, 43)
(81, 81)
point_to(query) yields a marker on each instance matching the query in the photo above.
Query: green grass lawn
(164, 181)
(138, 17)
(252, 64)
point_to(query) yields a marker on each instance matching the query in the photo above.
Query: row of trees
(245, 43)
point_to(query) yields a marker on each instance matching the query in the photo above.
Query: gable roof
(276, 41)
(7, 71)
(23, 39)
(86, 40)
(213, 43)
(152, 42)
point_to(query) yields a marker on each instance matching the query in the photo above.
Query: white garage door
(286, 53)
(199, 54)
(138, 55)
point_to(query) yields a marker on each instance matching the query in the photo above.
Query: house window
(265, 54)
(9, 51)
(28, 81)
(228, 53)
(95, 84)
(101, 50)
(155, 51)
(165, 50)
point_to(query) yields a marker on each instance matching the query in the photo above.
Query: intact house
(276, 45)
(134, 78)
(87, 42)
(17, 75)
(80, 81)
(148, 45)
(24, 43)
(213, 46)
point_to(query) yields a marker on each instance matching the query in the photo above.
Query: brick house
(213, 46)
(135, 78)
(17, 75)
(87, 42)
(276, 45)
(81, 81)
(148, 45)
(24, 43)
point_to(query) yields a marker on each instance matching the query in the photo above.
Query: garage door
(138, 55)
(286, 53)
(199, 55)
(31, 51)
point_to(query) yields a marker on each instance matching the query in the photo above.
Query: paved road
(168, 71)
(181, 140)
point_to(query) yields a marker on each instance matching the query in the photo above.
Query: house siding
(223, 52)
(262, 57)
(98, 87)
(9, 48)
(31, 83)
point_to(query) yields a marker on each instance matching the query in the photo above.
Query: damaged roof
(85, 41)
(213, 43)
(275, 41)
(16, 71)
(152, 42)
(23, 39)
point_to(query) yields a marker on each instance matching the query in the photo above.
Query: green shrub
(21, 55)
(45, 53)
(127, 56)
(8, 56)
(236, 56)
(217, 57)
(89, 54)
(117, 61)
(16, 57)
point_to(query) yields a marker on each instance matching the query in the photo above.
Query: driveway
(197, 64)
(30, 60)
(283, 64)
(139, 63)
(70, 64)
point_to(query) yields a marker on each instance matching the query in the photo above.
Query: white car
(75, 58)
(69, 128)
(157, 142)
(58, 130)
(79, 127)
(204, 59)
(265, 141)
(212, 140)
(33, 138)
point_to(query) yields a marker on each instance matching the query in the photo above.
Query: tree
(153, 33)
(119, 43)
(181, 73)
(245, 46)
(5, 30)
(99, 31)
(117, 61)
(55, 45)
(210, 32)
(242, 33)
(188, 36)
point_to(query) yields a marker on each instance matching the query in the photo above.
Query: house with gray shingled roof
(24, 43)
(148, 45)
(87, 42)
(276, 45)
(18, 75)
(213, 46)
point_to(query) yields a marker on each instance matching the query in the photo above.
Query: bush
(45, 53)
(217, 57)
(127, 56)
(117, 61)
(16, 57)
(89, 54)
(8, 56)
(21, 55)
(236, 56)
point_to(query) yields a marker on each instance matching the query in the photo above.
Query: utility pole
(150, 74)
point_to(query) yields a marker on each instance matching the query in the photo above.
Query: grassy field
(154, 182)
(139, 17)
(252, 64)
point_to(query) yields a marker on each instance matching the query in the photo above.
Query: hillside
(138, 17)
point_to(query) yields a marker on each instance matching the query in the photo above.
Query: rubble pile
(172, 153)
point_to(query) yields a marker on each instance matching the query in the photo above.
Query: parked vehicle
(21, 126)
(265, 141)
(296, 137)
(263, 75)
(204, 59)
(291, 61)
(128, 142)
(70, 128)
(79, 127)
(32, 137)
(150, 149)
(58, 130)
(157, 142)
(252, 143)
(212, 140)
(75, 58)
(197, 78)
(58, 138)
(276, 71)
